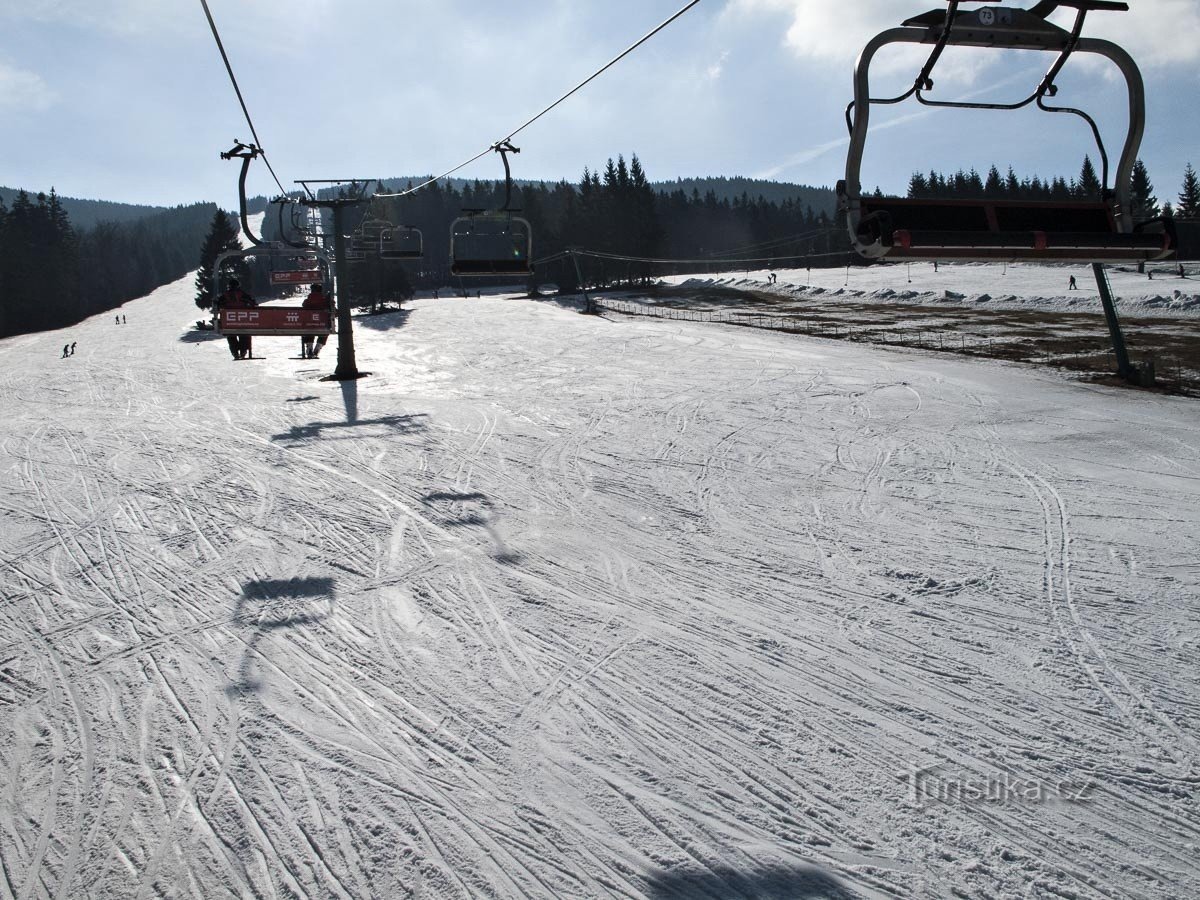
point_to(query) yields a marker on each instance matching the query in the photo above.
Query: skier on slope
(235, 298)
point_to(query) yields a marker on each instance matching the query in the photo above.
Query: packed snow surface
(551, 605)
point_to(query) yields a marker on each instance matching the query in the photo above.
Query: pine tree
(1012, 185)
(1189, 198)
(1088, 186)
(222, 237)
(994, 186)
(62, 279)
(1145, 204)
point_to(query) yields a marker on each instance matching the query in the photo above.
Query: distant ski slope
(557, 606)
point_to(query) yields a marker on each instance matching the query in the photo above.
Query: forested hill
(819, 199)
(88, 213)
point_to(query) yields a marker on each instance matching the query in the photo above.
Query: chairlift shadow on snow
(383, 321)
(794, 882)
(196, 336)
(396, 424)
(472, 510)
(273, 605)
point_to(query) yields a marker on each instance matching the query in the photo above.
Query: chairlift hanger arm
(1025, 31)
(504, 148)
(246, 153)
(1031, 25)
(1047, 86)
(282, 201)
(1009, 29)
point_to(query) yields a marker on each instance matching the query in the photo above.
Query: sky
(128, 100)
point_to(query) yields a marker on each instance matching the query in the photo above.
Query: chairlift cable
(229, 68)
(767, 245)
(556, 103)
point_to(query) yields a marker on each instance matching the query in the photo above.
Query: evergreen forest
(53, 275)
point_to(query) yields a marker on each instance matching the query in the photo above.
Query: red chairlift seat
(269, 320)
(274, 321)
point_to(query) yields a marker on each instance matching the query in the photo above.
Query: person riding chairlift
(316, 299)
(235, 298)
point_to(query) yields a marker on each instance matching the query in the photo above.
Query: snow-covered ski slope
(558, 606)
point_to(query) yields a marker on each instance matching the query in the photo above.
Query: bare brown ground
(1078, 342)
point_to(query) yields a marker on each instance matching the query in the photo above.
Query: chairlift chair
(270, 320)
(492, 243)
(401, 243)
(1097, 230)
(486, 244)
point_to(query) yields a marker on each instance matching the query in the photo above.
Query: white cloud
(118, 16)
(714, 71)
(833, 32)
(1157, 34)
(22, 90)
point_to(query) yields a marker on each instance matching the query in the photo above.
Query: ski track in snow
(561, 606)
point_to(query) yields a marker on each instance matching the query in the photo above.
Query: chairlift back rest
(274, 321)
(905, 228)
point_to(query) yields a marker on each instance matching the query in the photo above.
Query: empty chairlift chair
(490, 244)
(1098, 230)
(401, 243)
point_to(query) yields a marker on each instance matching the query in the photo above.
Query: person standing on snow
(72, 348)
(1071, 285)
(66, 350)
(316, 299)
(235, 298)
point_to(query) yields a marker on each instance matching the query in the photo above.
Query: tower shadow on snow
(770, 883)
(383, 321)
(272, 605)
(350, 399)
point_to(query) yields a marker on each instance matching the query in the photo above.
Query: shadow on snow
(771, 883)
(383, 321)
(471, 510)
(272, 605)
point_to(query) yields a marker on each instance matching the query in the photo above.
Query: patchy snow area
(1161, 292)
(556, 606)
